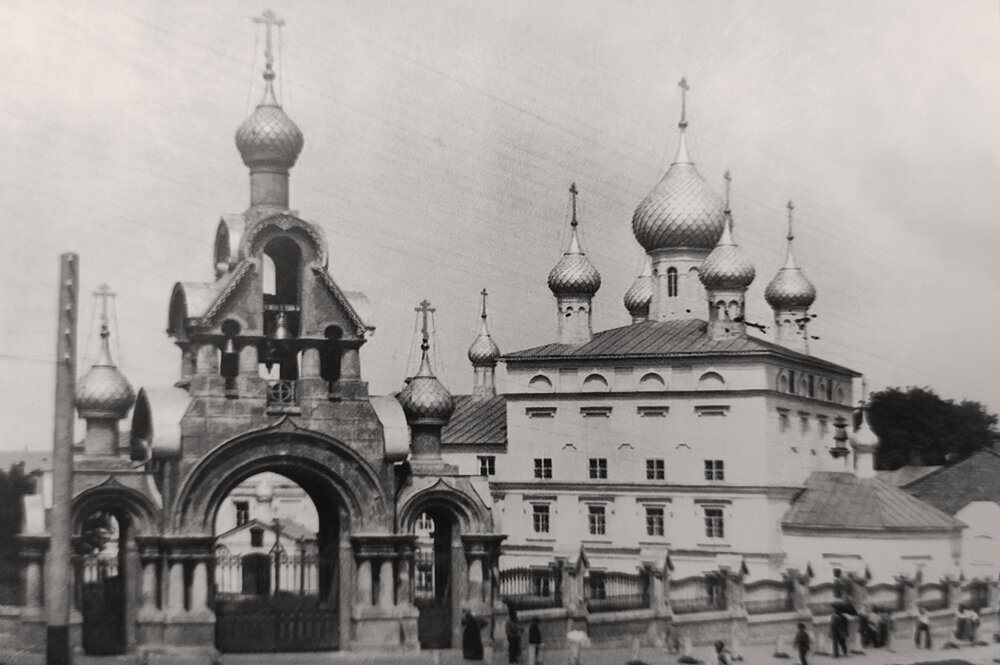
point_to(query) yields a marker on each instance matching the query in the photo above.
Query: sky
(440, 141)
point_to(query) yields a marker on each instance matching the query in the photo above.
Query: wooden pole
(59, 578)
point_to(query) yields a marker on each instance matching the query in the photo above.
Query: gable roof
(688, 338)
(951, 488)
(290, 528)
(838, 500)
(477, 421)
(906, 474)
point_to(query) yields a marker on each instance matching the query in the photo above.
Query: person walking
(513, 632)
(838, 634)
(535, 642)
(923, 627)
(802, 642)
(472, 639)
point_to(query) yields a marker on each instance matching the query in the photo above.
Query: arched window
(711, 381)
(651, 382)
(595, 383)
(782, 383)
(540, 384)
(281, 272)
(671, 282)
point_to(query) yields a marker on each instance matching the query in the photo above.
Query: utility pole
(58, 579)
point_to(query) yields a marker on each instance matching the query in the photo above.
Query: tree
(14, 484)
(916, 426)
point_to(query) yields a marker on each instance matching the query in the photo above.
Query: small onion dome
(104, 392)
(864, 436)
(425, 400)
(268, 139)
(484, 352)
(574, 274)
(640, 294)
(682, 211)
(790, 287)
(727, 267)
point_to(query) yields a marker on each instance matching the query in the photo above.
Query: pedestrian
(472, 639)
(722, 654)
(802, 643)
(535, 642)
(923, 628)
(838, 634)
(890, 628)
(513, 632)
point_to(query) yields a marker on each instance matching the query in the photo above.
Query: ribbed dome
(484, 352)
(268, 139)
(574, 274)
(640, 294)
(104, 392)
(681, 211)
(425, 400)
(727, 267)
(790, 287)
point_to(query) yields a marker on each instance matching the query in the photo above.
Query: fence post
(908, 591)
(558, 580)
(953, 589)
(799, 588)
(573, 596)
(733, 580)
(993, 595)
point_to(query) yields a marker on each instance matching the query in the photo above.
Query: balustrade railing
(531, 588)
(768, 597)
(697, 594)
(611, 591)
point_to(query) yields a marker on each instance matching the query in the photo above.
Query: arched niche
(540, 384)
(595, 383)
(711, 381)
(652, 382)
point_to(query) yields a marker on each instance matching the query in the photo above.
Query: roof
(477, 421)
(664, 339)
(906, 474)
(841, 501)
(951, 488)
(289, 528)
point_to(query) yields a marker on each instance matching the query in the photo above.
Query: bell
(281, 327)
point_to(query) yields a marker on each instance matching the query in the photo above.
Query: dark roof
(664, 339)
(477, 421)
(906, 474)
(953, 487)
(842, 501)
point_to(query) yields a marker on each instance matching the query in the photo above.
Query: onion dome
(790, 287)
(268, 140)
(484, 352)
(104, 392)
(425, 400)
(727, 267)
(574, 274)
(682, 211)
(640, 294)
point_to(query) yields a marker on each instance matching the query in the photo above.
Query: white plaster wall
(981, 541)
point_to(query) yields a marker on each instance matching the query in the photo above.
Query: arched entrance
(437, 588)
(277, 569)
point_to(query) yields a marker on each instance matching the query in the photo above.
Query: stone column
(350, 364)
(404, 594)
(734, 591)
(187, 363)
(386, 592)
(149, 585)
(908, 587)
(33, 583)
(365, 582)
(175, 588)
(310, 363)
(206, 358)
(199, 587)
(249, 363)
(954, 588)
(475, 579)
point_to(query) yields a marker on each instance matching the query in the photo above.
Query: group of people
(876, 627)
(966, 623)
(472, 639)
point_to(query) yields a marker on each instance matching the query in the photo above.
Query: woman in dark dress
(513, 631)
(472, 640)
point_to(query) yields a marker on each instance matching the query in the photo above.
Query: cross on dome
(268, 19)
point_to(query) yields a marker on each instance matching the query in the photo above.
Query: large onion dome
(425, 400)
(640, 294)
(104, 392)
(727, 266)
(484, 352)
(268, 140)
(790, 287)
(574, 274)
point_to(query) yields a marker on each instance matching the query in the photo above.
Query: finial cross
(573, 190)
(425, 310)
(729, 180)
(791, 207)
(104, 292)
(483, 293)
(683, 85)
(268, 19)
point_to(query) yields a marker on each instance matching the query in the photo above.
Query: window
(541, 585)
(655, 469)
(598, 468)
(715, 469)
(791, 381)
(596, 520)
(487, 465)
(714, 525)
(671, 282)
(654, 521)
(256, 536)
(425, 523)
(242, 512)
(540, 517)
(543, 467)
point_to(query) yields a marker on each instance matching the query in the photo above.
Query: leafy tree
(14, 484)
(916, 426)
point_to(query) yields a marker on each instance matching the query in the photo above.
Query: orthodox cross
(425, 310)
(791, 207)
(683, 85)
(573, 190)
(268, 19)
(483, 294)
(105, 293)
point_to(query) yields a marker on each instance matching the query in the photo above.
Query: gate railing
(704, 593)
(612, 591)
(531, 588)
(768, 597)
(296, 573)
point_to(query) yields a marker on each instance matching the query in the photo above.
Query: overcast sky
(441, 138)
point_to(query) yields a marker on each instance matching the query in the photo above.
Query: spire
(729, 181)
(682, 152)
(268, 19)
(104, 293)
(789, 257)
(574, 243)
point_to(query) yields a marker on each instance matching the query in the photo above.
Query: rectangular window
(714, 469)
(543, 467)
(540, 517)
(714, 525)
(242, 512)
(598, 468)
(487, 465)
(596, 521)
(654, 521)
(791, 381)
(655, 469)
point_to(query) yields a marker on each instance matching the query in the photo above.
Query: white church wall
(981, 541)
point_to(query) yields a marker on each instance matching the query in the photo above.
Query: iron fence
(697, 594)
(612, 591)
(768, 597)
(531, 588)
